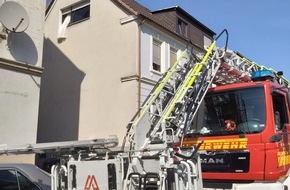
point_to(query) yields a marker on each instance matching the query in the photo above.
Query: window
(77, 12)
(8, 180)
(156, 64)
(173, 56)
(279, 110)
(13, 180)
(71, 15)
(182, 28)
(243, 110)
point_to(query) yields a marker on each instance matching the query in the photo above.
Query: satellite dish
(13, 16)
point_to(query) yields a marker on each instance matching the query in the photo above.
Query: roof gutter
(128, 19)
(49, 8)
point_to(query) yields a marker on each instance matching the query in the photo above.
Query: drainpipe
(139, 64)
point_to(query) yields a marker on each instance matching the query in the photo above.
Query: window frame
(279, 104)
(72, 9)
(161, 66)
(182, 27)
(175, 51)
(226, 105)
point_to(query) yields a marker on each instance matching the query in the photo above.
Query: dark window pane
(26, 184)
(279, 109)
(181, 28)
(80, 14)
(8, 180)
(242, 110)
(156, 67)
(77, 15)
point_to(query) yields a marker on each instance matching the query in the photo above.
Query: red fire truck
(244, 129)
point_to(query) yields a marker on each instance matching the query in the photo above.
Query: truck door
(280, 117)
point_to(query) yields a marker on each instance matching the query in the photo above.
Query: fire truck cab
(244, 128)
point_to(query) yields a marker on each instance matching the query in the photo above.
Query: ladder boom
(175, 99)
(59, 147)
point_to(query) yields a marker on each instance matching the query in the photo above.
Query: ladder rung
(153, 114)
(167, 91)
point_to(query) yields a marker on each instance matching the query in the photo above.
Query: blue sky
(258, 29)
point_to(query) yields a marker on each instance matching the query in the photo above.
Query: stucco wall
(19, 98)
(20, 57)
(82, 93)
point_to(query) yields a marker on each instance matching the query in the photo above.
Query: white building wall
(83, 96)
(149, 76)
(20, 71)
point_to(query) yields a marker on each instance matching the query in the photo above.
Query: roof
(137, 9)
(182, 11)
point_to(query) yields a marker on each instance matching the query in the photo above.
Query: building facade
(20, 72)
(101, 59)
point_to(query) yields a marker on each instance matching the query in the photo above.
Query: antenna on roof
(13, 17)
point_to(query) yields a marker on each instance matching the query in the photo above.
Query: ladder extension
(176, 97)
(280, 79)
(58, 147)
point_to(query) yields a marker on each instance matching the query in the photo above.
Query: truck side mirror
(276, 137)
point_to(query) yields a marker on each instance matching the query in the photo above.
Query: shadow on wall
(59, 97)
(20, 46)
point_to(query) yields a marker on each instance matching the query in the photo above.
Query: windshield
(240, 111)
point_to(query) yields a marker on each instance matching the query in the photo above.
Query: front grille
(225, 161)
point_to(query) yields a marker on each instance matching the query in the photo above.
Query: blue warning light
(262, 75)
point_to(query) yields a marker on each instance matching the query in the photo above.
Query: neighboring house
(20, 73)
(101, 59)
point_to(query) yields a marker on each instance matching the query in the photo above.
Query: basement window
(77, 12)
